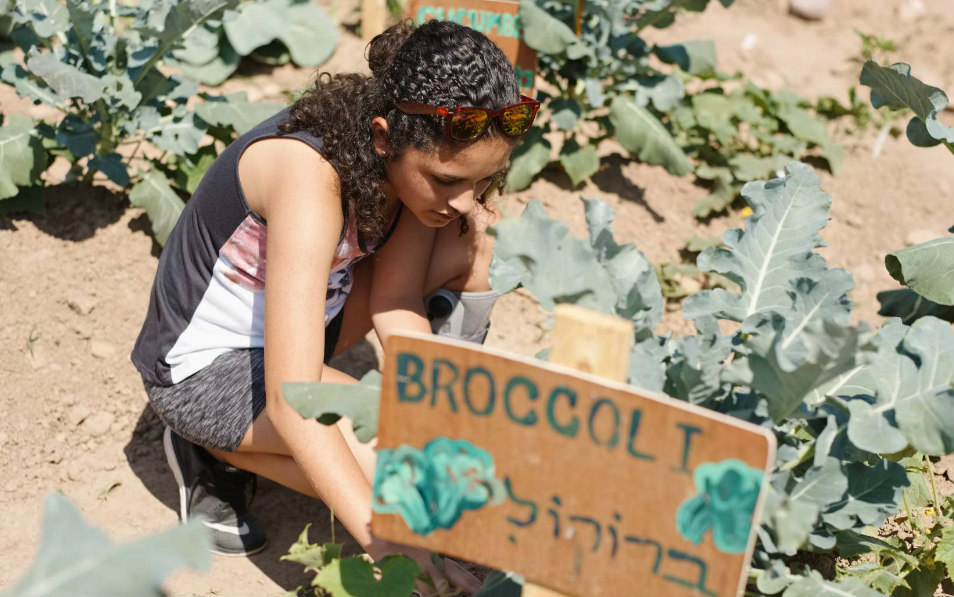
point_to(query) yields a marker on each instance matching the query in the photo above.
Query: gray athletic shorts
(215, 406)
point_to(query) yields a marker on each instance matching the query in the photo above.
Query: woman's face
(441, 185)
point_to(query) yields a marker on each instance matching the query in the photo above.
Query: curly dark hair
(439, 63)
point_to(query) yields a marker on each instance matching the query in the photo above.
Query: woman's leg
(458, 262)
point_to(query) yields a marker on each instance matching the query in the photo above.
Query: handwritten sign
(497, 19)
(582, 485)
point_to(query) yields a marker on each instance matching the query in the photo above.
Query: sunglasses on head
(468, 123)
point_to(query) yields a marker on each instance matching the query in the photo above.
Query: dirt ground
(74, 283)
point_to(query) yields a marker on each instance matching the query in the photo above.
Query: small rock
(254, 94)
(101, 349)
(864, 273)
(60, 438)
(271, 90)
(99, 423)
(76, 471)
(78, 414)
(911, 10)
(3, 438)
(916, 237)
(812, 10)
(81, 304)
(749, 42)
(11, 487)
(68, 399)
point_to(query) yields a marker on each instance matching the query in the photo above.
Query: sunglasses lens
(467, 124)
(516, 120)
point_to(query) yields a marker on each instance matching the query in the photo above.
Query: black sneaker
(218, 493)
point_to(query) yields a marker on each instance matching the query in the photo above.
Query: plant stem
(907, 510)
(579, 18)
(332, 512)
(930, 472)
(950, 147)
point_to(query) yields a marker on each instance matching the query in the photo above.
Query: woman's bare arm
(290, 185)
(398, 277)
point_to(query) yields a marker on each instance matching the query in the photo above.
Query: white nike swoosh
(242, 529)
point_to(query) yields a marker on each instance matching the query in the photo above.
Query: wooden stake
(593, 342)
(374, 18)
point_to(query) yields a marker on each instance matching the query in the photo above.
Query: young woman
(398, 165)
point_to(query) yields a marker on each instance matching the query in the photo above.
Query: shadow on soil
(282, 512)
(609, 179)
(71, 212)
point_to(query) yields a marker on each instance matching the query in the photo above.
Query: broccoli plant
(846, 402)
(854, 410)
(76, 558)
(927, 269)
(610, 83)
(98, 66)
(268, 31)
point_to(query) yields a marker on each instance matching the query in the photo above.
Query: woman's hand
(452, 579)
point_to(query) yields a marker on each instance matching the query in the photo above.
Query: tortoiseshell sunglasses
(466, 123)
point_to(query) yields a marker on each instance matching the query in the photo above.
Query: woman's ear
(380, 136)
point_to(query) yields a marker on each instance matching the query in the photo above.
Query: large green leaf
(200, 46)
(543, 32)
(910, 383)
(909, 306)
(64, 79)
(814, 585)
(695, 368)
(76, 558)
(775, 248)
(664, 91)
(180, 135)
(644, 135)
(27, 86)
(161, 203)
(48, 18)
(168, 28)
(77, 135)
(255, 24)
(895, 88)
(944, 551)
(565, 113)
(926, 268)
(874, 493)
(236, 111)
(634, 282)
(787, 366)
(695, 57)
(540, 254)
(355, 577)
(579, 162)
(311, 36)
(715, 111)
(113, 166)
(529, 159)
(21, 155)
(328, 402)
(218, 69)
(85, 23)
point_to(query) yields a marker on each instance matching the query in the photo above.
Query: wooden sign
(582, 485)
(497, 19)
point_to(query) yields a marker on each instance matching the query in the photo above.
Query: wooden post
(374, 18)
(595, 343)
